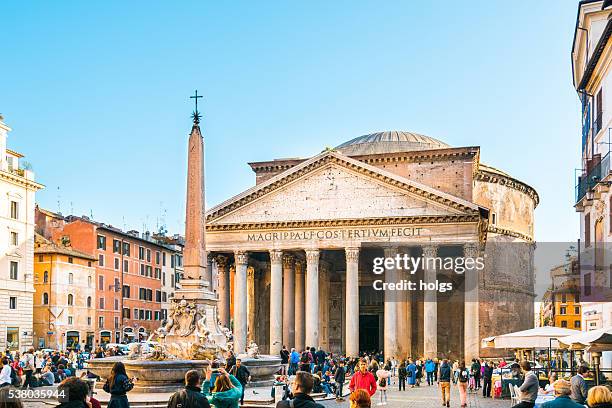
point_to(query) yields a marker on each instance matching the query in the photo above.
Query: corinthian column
(471, 314)
(430, 304)
(300, 313)
(288, 302)
(240, 304)
(223, 290)
(390, 342)
(312, 297)
(352, 302)
(276, 301)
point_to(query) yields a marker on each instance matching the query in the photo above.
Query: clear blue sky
(97, 93)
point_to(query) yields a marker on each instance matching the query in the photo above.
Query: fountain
(191, 337)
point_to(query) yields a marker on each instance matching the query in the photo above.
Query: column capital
(288, 261)
(250, 271)
(312, 255)
(241, 257)
(352, 254)
(299, 267)
(221, 261)
(471, 249)
(276, 256)
(430, 250)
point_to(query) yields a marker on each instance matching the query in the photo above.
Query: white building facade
(17, 189)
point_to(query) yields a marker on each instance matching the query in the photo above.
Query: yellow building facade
(567, 310)
(64, 299)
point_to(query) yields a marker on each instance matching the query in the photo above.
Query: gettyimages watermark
(496, 272)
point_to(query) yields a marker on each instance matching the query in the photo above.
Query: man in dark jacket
(243, 376)
(191, 396)
(444, 378)
(487, 379)
(284, 355)
(340, 377)
(320, 356)
(578, 386)
(300, 387)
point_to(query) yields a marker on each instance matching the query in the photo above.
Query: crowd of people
(304, 374)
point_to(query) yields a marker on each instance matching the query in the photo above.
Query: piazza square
(306, 205)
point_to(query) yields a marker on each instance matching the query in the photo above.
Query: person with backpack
(191, 396)
(382, 376)
(462, 379)
(430, 367)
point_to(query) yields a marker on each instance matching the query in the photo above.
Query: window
(158, 296)
(15, 239)
(141, 314)
(116, 304)
(563, 298)
(14, 210)
(172, 281)
(46, 276)
(157, 257)
(126, 313)
(577, 310)
(88, 321)
(45, 298)
(100, 282)
(89, 264)
(89, 279)
(126, 265)
(156, 315)
(164, 297)
(116, 246)
(117, 263)
(101, 322)
(126, 291)
(157, 273)
(148, 255)
(126, 248)
(102, 242)
(70, 259)
(576, 324)
(117, 286)
(597, 123)
(141, 253)
(587, 284)
(70, 299)
(41, 258)
(88, 301)
(70, 278)
(562, 310)
(12, 337)
(164, 257)
(12, 303)
(70, 320)
(149, 271)
(101, 260)
(116, 322)
(101, 303)
(587, 230)
(563, 323)
(164, 278)
(14, 270)
(135, 313)
(172, 262)
(142, 269)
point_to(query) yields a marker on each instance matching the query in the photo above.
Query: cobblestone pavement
(426, 396)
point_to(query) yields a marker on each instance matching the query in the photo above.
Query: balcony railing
(590, 179)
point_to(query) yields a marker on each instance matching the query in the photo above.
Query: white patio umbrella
(539, 337)
(595, 340)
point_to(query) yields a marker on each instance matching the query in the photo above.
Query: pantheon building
(293, 255)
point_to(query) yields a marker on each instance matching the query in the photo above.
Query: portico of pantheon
(292, 256)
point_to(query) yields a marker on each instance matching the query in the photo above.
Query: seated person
(47, 377)
(550, 389)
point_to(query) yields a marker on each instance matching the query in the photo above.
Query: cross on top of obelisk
(196, 114)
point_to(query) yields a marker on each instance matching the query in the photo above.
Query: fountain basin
(153, 375)
(262, 369)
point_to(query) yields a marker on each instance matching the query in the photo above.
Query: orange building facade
(132, 277)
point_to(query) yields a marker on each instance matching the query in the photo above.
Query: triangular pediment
(332, 186)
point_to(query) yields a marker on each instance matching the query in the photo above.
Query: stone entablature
(510, 182)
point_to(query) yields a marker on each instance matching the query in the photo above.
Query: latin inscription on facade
(353, 233)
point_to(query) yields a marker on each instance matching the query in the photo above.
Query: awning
(539, 337)
(596, 340)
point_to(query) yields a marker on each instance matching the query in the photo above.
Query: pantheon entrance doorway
(369, 326)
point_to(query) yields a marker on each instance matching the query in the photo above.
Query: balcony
(594, 174)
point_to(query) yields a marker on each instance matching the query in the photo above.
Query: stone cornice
(328, 158)
(504, 231)
(455, 153)
(491, 177)
(433, 219)
(20, 181)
